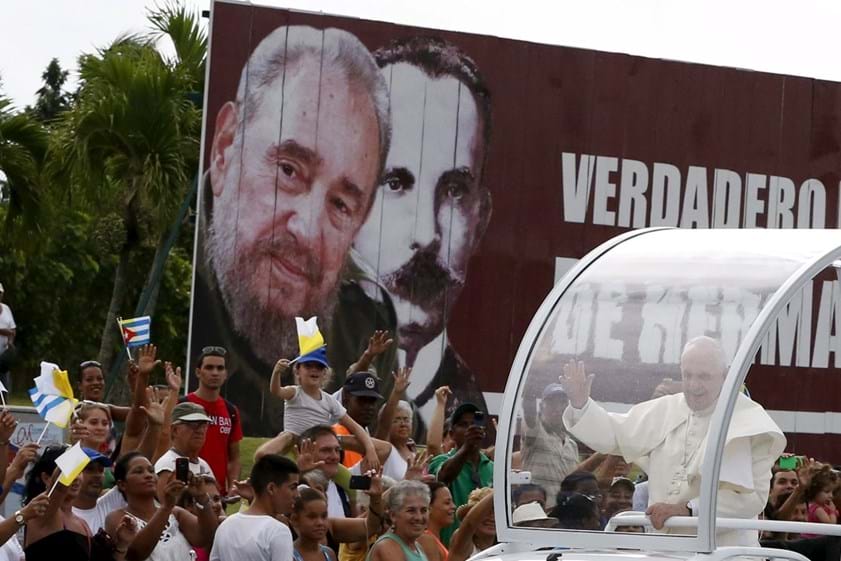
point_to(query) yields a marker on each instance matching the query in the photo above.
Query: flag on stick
(53, 395)
(53, 381)
(136, 331)
(71, 464)
(309, 337)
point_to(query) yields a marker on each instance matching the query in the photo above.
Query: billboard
(436, 184)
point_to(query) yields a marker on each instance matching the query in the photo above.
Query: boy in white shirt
(255, 534)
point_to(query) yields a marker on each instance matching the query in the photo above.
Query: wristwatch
(19, 518)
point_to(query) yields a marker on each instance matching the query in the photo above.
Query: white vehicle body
(639, 268)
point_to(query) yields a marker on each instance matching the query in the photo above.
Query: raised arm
(461, 544)
(274, 383)
(147, 538)
(118, 412)
(796, 497)
(7, 428)
(35, 508)
(50, 521)
(136, 419)
(199, 530)
(576, 383)
(449, 470)
(357, 530)
(435, 432)
(379, 342)
(174, 381)
(401, 383)
(350, 442)
(155, 413)
(363, 437)
(26, 455)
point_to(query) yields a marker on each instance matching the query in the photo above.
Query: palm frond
(184, 28)
(23, 145)
(133, 128)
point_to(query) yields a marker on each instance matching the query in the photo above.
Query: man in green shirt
(465, 467)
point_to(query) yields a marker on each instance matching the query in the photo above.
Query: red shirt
(221, 432)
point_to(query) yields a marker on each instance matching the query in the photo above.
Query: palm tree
(23, 144)
(131, 141)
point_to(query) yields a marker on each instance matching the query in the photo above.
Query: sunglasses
(89, 363)
(212, 350)
(88, 403)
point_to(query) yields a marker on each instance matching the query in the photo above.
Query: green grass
(247, 448)
(18, 398)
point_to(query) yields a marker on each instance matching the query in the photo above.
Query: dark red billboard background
(670, 143)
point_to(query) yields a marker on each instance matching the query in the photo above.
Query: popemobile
(677, 356)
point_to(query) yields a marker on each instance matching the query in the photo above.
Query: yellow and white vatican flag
(71, 464)
(309, 337)
(52, 396)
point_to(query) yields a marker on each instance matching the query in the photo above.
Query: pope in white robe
(667, 436)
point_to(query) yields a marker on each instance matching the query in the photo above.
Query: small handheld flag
(53, 381)
(53, 395)
(136, 331)
(309, 337)
(71, 464)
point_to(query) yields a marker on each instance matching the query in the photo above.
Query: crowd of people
(344, 480)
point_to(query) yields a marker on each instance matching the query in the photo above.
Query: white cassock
(667, 440)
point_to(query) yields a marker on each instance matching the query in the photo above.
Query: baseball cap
(97, 457)
(465, 407)
(189, 412)
(362, 384)
(553, 389)
(528, 513)
(319, 355)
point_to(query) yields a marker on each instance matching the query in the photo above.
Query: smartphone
(479, 419)
(519, 477)
(789, 463)
(360, 482)
(182, 469)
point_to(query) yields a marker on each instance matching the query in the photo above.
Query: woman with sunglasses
(165, 531)
(91, 425)
(395, 426)
(92, 388)
(56, 528)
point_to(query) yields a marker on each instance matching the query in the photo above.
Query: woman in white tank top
(165, 532)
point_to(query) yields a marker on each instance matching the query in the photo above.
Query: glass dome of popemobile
(626, 310)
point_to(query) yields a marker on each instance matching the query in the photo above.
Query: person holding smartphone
(188, 433)
(465, 467)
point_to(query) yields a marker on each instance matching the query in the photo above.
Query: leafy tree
(23, 145)
(131, 144)
(55, 290)
(52, 100)
(182, 28)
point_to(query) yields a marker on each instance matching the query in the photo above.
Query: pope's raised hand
(576, 383)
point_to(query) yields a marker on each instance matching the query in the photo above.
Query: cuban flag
(136, 331)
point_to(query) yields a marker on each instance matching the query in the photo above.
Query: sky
(799, 38)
